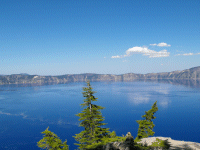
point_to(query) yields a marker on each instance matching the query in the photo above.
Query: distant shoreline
(188, 74)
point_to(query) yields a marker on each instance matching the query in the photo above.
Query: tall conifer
(146, 126)
(51, 141)
(91, 118)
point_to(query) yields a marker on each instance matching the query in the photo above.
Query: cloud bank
(161, 44)
(145, 51)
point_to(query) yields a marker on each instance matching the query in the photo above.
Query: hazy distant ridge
(192, 73)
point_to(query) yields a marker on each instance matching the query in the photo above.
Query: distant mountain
(192, 73)
(26, 74)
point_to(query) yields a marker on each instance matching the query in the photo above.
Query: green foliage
(137, 139)
(112, 138)
(158, 144)
(51, 141)
(146, 126)
(161, 143)
(165, 144)
(140, 146)
(91, 118)
(112, 134)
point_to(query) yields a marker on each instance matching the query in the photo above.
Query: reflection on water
(144, 94)
(58, 121)
(188, 83)
(138, 98)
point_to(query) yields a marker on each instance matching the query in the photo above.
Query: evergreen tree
(146, 126)
(51, 141)
(91, 118)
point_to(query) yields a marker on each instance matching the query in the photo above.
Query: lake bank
(175, 144)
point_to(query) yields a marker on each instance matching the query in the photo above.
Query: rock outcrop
(174, 144)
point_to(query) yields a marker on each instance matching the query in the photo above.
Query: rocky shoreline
(175, 144)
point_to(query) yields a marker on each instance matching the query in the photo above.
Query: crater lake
(26, 111)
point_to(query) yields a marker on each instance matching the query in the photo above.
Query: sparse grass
(161, 143)
(114, 139)
(137, 140)
(140, 146)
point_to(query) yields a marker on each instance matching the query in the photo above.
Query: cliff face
(192, 73)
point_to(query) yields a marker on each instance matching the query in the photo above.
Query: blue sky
(48, 37)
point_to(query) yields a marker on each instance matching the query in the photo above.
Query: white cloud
(153, 44)
(161, 44)
(187, 54)
(162, 53)
(145, 51)
(115, 56)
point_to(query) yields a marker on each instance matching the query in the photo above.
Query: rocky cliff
(192, 73)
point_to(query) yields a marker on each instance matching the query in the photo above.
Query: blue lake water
(27, 111)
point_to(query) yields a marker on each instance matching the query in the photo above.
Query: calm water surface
(27, 111)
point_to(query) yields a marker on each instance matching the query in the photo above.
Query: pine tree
(91, 118)
(146, 126)
(51, 141)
